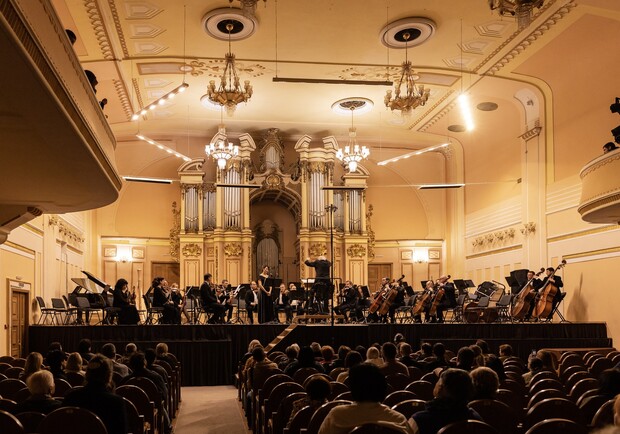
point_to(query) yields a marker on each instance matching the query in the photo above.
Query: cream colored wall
(402, 255)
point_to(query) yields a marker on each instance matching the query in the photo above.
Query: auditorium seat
(10, 424)
(30, 420)
(570, 371)
(72, 420)
(301, 420)
(337, 389)
(545, 383)
(409, 407)
(135, 420)
(497, 414)
(422, 389)
(590, 406)
(599, 365)
(346, 396)
(62, 387)
(415, 373)
(301, 374)
(373, 428)
(318, 374)
(398, 381)
(468, 427)
(321, 413)
(154, 396)
(272, 403)
(398, 396)
(544, 394)
(552, 408)
(605, 415)
(8, 405)
(75, 378)
(554, 426)
(573, 379)
(10, 387)
(335, 372)
(14, 372)
(581, 387)
(282, 415)
(142, 403)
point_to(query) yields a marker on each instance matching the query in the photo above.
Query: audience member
(465, 359)
(318, 390)
(150, 357)
(535, 365)
(328, 356)
(342, 354)
(34, 362)
(41, 388)
(97, 396)
(426, 350)
(353, 359)
(484, 347)
(373, 355)
(617, 411)
(496, 364)
(368, 390)
(608, 385)
(485, 382)
(362, 350)
(391, 365)
(548, 360)
(452, 393)
(505, 351)
(291, 355)
(84, 348)
(478, 356)
(304, 360)
(130, 349)
(163, 354)
(56, 363)
(109, 350)
(406, 354)
(74, 363)
(438, 360)
(316, 349)
(608, 147)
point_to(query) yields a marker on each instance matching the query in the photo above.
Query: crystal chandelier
(353, 153)
(413, 96)
(220, 151)
(522, 9)
(248, 7)
(229, 93)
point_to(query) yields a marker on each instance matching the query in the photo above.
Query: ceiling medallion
(522, 9)
(214, 23)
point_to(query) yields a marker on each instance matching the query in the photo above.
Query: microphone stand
(331, 209)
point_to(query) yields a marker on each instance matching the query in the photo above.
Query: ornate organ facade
(272, 200)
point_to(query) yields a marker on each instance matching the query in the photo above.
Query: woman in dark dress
(126, 303)
(265, 303)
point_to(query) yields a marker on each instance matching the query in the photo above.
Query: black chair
(10, 424)
(72, 420)
(30, 420)
(46, 312)
(61, 311)
(153, 314)
(374, 428)
(468, 427)
(553, 426)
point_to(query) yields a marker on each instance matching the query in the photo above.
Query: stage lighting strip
(411, 154)
(159, 102)
(163, 147)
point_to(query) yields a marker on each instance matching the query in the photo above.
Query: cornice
(96, 21)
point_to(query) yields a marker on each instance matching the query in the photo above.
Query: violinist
(162, 298)
(283, 302)
(210, 302)
(128, 313)
(349, 302)
(536, 284)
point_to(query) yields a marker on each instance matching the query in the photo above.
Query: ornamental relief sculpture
(192, 249)
(233, 249)
(318, 249)
(356, 251)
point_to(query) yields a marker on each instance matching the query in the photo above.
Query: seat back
(422, 389)
(409, 407)
(431, 377)
(30, 420)
(581, 387)
(544, 394)
(600, 365)
(62, 387)
(281, 417)
(552, 408)
(398, 381)
(374, 428)
(57, 303)
(345, 396)
(10, 387)
(605, 415)
(335, 372)
(591, 405)
(301, 420)
(337, 389)
(301, 374)
(135, 422)
(545, 383)
(497, 414)
(72, 420)
(280, 392)
(75, 379)
(10, 424)
(468, 427)
(13, 372)
(140, 400)
(543, 375)
(308, 379)
(149, 388)
(554, 426)
(319, 416)
(8, 405)
(575, 377)
(415, 373)
(399, 396)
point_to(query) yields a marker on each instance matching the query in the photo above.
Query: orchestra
(393, 301)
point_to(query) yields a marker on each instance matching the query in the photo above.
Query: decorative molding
(211, 251)
(118, 27)
(371, 233)
(109, 252)
(580, 234)
(438, 116)
(492, 239)
(318, 249)
(137, 253)
(191, 249)
(591, 253)
(121, 92)
(494, 252)
(101, 34)
(528, 228)
(598, 203)
(136, 88)
(215, 67)
(174, 232)
(532, 132)
(233, 249)
(67, 232)
(356, 251)
(598, 164)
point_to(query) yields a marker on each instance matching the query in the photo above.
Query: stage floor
(209, 353)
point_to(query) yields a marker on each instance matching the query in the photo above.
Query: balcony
(600, 189)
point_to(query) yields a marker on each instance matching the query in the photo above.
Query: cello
(390, 296)
(423, 299)
(544, 306)
(439, 295)
(523, 300)
(379, 298)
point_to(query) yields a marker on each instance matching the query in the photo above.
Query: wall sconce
(123, 259)
(528, 228)
(420, 256)
(123, 255)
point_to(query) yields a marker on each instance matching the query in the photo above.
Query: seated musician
(383, 290)
(448, 300)
(251, 301)
(162, 298)
(210, 302)
(557, 282)
(223, 296)
(296, 298)
(536, 285)
(124, 300)
(425, 297)
(399, 301)
(349, 302)
(283, 302)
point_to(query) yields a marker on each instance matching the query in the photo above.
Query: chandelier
(248, 7)
(413, 95)
(353, 153)
(221, 151)
(229, 93)
(522, 9)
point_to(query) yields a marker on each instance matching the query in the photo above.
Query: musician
(428, 293)
(223, 296)
(321, 279)
(398, 301)
(382, 293)
(210, 302)
(283, 302)
(349, 302)
(265, 313)
(536, 284)
(448, 300)
(557, 282)
(251, 301)
(125, 301)
(161, 298)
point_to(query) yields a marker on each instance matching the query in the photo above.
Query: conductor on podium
(321, 279)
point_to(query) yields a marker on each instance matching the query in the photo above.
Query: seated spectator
(465, 359)
(452, 393)
(368, 389)
(327, 353)
(342, 354)
(505, 351)
(97, 396)
(353, 359)
(291, 355)
(41, 387)
(438, 360)
(259, 371)
(374, 356)
(535, 365)
(608, 385)
(84, 348)
(392, 366)
(478, 357)
(304, 360)
(484, 347)
(318, 390)
(486, 383)
(608, 147)
(56, 363)
(406, 354)
(109, 350)
(163, 354)
(130, 349)
(398, 338)
(34, 362)
(548, 360)
(74, 363)
(496, 364)
(150, 357)
(316, 349)
(426, 350)
(360, 349)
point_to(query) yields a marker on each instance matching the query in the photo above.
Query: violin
(132, 295)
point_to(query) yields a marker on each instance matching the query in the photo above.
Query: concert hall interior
(497, 167)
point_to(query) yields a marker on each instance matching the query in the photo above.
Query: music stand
(241, 290)
(193, 292)
(514, 285)
(423, 282)
(409, 290)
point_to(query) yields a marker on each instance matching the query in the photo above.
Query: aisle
(210, 409)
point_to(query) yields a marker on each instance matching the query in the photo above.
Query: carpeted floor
(212, 410)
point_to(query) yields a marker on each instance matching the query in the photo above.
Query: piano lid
(92, 284)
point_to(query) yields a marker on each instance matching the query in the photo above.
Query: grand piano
(90, 295)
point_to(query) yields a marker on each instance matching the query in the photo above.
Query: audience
(291, 355)
(56, 363)
(368, 390)
(304, 360)
(485, 382)
(391, 365)
(33, 364)
(465, 359)
(353, 359)
(97, 396)
(505, 351)
(318, 390)
(452, 393)
(74, 363)
(41, 388)
(84, 348)
(342, 354)
(109, 350)
(535, 365)
(150, 357)
(373, 355)
(406, 354)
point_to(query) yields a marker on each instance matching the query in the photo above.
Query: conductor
(321, 280)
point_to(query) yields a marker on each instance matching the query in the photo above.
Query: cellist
(557, 282)
(378, 298)
(536, 285)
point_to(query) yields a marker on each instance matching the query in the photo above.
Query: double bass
(390, 296)
(439, 295)
(523, 300)
(544, 306)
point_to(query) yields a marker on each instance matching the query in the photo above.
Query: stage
(209, 353)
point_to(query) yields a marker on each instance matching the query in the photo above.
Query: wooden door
(375, 273)
(19, 322)
(171, 271)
